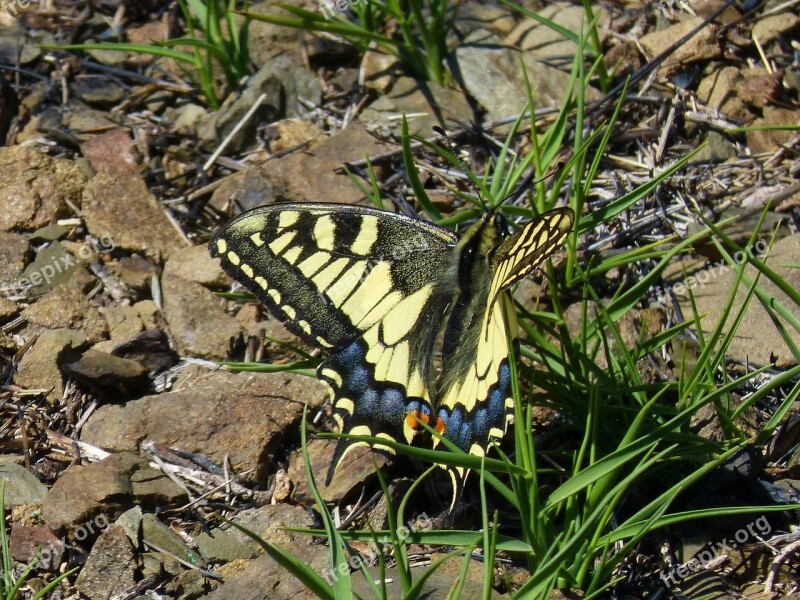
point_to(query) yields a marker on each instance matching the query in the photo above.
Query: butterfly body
(414, 318)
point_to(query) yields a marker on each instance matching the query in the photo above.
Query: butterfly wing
(476, 403)
(357, 282)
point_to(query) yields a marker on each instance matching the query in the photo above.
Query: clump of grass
(419, 43)
(211, 48)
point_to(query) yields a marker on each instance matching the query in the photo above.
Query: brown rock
(757, 340)
(246, 189)
(118, 207)
(718, 90)
(703, 46)
(243, 416)
(150, 348)
(113, 151)
(135, 271)
(110, 568)
(769, 141)
(7, 309)
(66, 307)
(86, 499)
(265, 579)
(759, 87)
(311, 175)
(357, 467)
(14, 255)
(111, 377)
(36, 189)
(123, 321)
(429, 103)
(770, 27)
(195, 264)
(38, 542)
(292, 133)
(197, 319)
(39, 368)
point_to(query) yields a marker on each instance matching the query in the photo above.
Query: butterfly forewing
(355, 281)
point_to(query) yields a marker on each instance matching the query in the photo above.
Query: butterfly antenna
(461, 164)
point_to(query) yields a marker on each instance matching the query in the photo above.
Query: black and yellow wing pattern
(413, 317)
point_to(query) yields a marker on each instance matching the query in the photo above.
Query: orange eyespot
(415, 417)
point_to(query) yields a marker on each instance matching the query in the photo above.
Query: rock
(246, 189)
(124, 322)
(703, 46)
(36, 189)
(543, 52)
(119, 208)
(718, 148)
(152, 489)
(102, 92)
(491, 73)
(49, 233)
(288, 134)
(266, 39)
(18, 49)
(150, 349)
(711, 289)
(8, 309)
(135, 271)
(66, 307)
(769, 141)
(39, 368)
(113, 151)
(22, 486)
(195, 264)
(84, 500)
(283, 80)
(14, 255)
(760, 87)
(489, 16)
(131, 523)
(426, 104)
(267, 522)
(767, 29)
(242, 416)
(197, 319)
(110, 568)
(718, 90)
(167, 546)
(37, 542)
(310, 175)
(264, 579)
(356, 468)
(110, 377)
(54, 265)
(186, 118)
(438, 585)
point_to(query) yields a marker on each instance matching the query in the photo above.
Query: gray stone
(110, 568)
(21, 486)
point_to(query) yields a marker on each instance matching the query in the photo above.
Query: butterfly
(414, 318)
